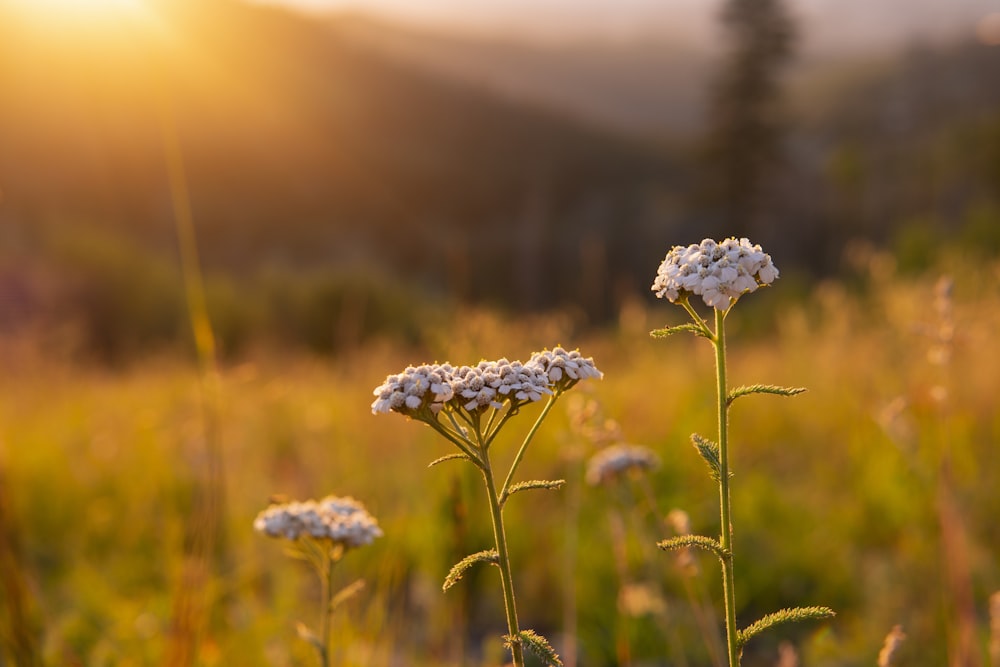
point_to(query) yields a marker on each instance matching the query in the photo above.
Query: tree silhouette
(745, 125)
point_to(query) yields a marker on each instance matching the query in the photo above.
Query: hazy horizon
(827, 25)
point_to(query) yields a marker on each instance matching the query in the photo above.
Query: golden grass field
(874, 493)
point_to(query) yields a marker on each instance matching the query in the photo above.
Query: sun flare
(78, 8)
(79, 15)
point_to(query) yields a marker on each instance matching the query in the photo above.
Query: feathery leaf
(700, 541)
(448, 457)
(782, 616)
(710, 452)
(670, 331)
(308, 635)
(763, 389)
(346, 593)
(551, 484)
(538, 645)
(458, 570)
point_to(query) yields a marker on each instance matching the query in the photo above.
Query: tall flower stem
(327, 600)
(503, 561)
(726, 527)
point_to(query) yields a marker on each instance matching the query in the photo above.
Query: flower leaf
(680, 328)
(458, 570)
(763, 389)
(700, 541)
(710, 452)
(346, 593)
(782, 616)
(308, 635)
(537, 644)
(551, 484)
(448, 457)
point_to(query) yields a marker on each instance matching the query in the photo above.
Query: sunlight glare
(80, 14)
(79, 8)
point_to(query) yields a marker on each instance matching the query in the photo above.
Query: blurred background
(336, 189)
(523, 155)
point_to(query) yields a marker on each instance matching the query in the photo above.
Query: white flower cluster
(564, 369)
(613, 461)
(488, 384)
(343, 521)
(413, 388)
(717, 272)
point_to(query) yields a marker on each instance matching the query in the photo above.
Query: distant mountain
(650, 87)
(644, 68)
(302, 148)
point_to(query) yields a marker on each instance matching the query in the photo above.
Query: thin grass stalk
(206, 523)
(19, 636)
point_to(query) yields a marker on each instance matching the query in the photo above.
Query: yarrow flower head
(342, 521)
(612, 462)
(719, 273)
(564, 369)
(489, 384)
(415, 388)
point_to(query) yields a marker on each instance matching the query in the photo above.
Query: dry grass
(101, 469)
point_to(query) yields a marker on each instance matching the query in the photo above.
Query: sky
(832, 23)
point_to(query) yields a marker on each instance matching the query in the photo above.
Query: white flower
(343, 521)
(488, 384)
(611, 462)
(719, 273)
(564, 369)
(415, 387)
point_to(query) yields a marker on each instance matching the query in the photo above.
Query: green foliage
(551, 484)
(709, 451)
(783, 616)
(99, 466)
(449, 457)
(689, 327)
(699, 541)
(763, 389)
(120, 298)
(538, 645)
(459, 569)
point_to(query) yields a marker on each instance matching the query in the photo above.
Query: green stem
(726, 529)
(503, 558)
(524, 446)
(699, 322)
(456, 440)
(327, 597)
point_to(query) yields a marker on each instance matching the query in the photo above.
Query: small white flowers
(343, 521)
(564, 369)
(489, 384)
(719, 273)
(612, 462)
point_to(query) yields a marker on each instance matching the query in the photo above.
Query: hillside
(303, 150)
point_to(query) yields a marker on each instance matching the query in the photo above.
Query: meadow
(873, 493)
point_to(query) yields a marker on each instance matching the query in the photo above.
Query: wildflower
(564, 369)
(719, 273)
(466, 395)
(343, 521)
(616, 460)
(489, 384)
(413, 389)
